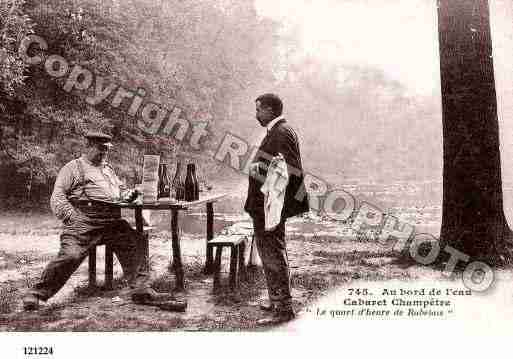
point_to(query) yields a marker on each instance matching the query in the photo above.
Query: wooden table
(175, 207)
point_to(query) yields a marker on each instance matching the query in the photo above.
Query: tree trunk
(473, 219)
(30, 183)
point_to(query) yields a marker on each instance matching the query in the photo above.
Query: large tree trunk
(473, 219)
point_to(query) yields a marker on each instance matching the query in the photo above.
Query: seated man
(80, 198)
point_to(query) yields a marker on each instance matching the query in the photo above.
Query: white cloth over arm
(274, 191)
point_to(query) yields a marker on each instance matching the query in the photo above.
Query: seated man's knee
(72, 256)
(71, 250)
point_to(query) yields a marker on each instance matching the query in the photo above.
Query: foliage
(14, 25)
(189, 53)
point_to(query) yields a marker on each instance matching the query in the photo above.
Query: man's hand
(130, 195)
(254, 169)
(75, 217)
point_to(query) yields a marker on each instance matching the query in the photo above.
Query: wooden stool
(237, 244)
(109, 261)
(109, 266)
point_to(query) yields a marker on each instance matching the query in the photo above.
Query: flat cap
(100, 137)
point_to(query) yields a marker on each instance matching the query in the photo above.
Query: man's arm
(124, 192)
(286, 144)
(61, 206)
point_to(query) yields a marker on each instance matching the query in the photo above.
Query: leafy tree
(197, 55)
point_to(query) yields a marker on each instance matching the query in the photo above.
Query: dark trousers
(273, 253)
(76, 240)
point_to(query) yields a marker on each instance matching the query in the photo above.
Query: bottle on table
(196, 183)
(178, 183)
(164, 184)
(190, 183)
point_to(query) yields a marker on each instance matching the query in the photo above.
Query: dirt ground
(324, 255)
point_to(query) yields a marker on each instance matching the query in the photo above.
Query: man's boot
(278, 317)
(30, 302)
(149, 296)
(267, 307)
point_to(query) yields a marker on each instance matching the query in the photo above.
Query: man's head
(98, 146)
(268, 107)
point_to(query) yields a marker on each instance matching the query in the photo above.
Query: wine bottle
(178, 184)
(164, 185)
(190, 191)
(196, 183)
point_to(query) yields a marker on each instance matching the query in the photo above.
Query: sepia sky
(400, 38)
(396, 36)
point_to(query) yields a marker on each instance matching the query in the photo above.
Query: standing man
(81, 198)
(280, 139)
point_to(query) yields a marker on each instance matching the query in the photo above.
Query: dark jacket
(280, 139)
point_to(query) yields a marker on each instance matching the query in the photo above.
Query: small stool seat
(109, 262)
(237, 245)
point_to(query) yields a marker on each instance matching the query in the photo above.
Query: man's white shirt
(264, 133)
(275, 183)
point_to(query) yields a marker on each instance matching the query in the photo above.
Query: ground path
(324, 256)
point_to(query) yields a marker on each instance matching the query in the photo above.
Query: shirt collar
(273, 122)
(86, 160)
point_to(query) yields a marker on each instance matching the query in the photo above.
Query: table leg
(210, 234)
(242, 260)
(109, 270)
(177, 256)
(217, 269)
(92, 267)
(234, 258)
(143, 247)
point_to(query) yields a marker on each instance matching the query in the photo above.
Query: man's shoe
(278, 318)
(173, 305)
(30, 302)
(139, 281)
(149, 296)
(267, 307)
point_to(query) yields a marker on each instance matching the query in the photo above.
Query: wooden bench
(237, 244)
(109, 261)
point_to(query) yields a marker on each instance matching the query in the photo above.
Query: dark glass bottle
(190, 189)
(178, 183)
(164, 184)
(196, 183)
